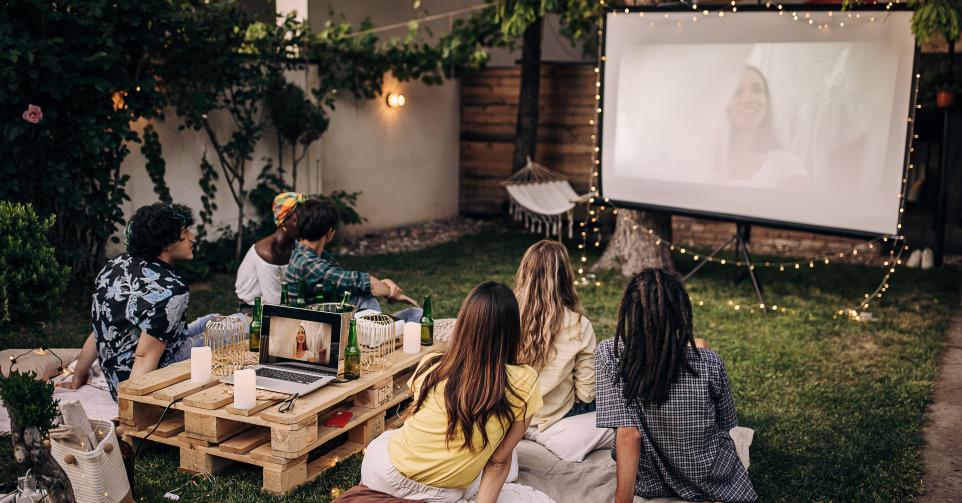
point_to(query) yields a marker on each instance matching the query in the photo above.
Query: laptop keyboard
(283, 375)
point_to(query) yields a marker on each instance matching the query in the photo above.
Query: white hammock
(542, 199)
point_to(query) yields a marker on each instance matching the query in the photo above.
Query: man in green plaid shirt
(314, 265)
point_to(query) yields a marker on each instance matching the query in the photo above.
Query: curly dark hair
(155, 227)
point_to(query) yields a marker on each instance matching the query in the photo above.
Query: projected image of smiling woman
(755, 158)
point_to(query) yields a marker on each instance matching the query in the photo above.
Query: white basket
(97, 475)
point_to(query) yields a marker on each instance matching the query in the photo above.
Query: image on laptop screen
(301, 340)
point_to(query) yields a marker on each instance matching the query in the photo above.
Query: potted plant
(32, 411)
(935, 19)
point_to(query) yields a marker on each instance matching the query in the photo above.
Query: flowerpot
(945, 99)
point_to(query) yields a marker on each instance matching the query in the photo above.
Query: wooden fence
(489, 108)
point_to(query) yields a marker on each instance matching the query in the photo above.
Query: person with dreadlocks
(471, 407)
(669, 401)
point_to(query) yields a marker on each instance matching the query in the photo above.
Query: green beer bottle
(255, 331)
(285, 296)
(427, 323)
(352, 354)
(345, 305)
(301, 300)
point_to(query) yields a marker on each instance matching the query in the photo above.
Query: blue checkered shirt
(306, 265)
(697, 459)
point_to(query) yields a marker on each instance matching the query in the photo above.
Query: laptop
(299, 349)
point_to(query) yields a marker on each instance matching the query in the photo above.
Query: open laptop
(299, 349)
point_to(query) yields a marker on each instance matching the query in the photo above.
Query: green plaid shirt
(306, 265)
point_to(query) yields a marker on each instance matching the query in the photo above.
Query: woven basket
(97, 475)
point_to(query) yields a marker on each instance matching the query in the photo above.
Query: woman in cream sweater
(557, 340)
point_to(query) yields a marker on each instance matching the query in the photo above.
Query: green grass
(837, 405)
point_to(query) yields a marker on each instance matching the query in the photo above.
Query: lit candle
(245, 391)
(412, 338)
(200, 365)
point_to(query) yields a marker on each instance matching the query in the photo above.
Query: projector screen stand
(739, 243)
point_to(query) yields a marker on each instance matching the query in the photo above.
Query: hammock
(542, 199)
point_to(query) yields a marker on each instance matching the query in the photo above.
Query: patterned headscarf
(284, 205)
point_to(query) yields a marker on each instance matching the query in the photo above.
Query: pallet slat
(157, 379)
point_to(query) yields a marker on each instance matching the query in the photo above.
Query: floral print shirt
(133, 295)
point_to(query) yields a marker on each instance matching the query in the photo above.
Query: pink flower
(33, 114)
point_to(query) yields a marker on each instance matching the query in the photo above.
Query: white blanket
(94, 397)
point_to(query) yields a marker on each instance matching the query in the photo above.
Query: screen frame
(335, 320)
(747, 219)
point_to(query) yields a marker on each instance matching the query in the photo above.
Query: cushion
(44, 366)
(363, 494)
(573, 438)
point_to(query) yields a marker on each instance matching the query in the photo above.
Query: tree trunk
(30, 451)
(239, 238)
(632, 249)
(526, 137)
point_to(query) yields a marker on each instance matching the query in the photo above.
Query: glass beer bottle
(427, 323)
(352, 354)
(285, 295)
(255, 330)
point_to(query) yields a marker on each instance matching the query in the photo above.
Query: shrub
(31, 279)
(29, 400)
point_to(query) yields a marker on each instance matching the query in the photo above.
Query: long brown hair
(545, 287)
(483, 343)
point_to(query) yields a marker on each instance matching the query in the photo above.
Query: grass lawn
(837, 405)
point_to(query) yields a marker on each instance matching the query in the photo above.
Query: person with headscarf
(261, 272)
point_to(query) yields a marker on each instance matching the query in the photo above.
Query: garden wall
(403, 161)
(488, 112)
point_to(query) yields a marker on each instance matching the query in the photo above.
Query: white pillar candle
(245, 390)
(398, 328)
(412, 338)
(200, 365)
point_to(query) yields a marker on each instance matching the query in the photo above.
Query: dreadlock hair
(483, 343)
(654, 328)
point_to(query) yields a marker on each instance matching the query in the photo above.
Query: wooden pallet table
(292, 447)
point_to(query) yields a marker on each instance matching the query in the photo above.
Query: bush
(31, 279)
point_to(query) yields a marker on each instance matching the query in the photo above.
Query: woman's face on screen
(301, 336)
(748, 107)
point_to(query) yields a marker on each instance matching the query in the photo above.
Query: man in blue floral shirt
(314, 265)
(140, 300)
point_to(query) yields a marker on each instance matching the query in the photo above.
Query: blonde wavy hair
(544, 286)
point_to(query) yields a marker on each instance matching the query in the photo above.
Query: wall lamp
(395, 100)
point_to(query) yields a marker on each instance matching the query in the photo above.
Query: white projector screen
(756, 117)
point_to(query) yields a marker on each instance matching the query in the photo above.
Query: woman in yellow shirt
(472, 406)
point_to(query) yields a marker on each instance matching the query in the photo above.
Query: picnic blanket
(594, 478)
(93, 396)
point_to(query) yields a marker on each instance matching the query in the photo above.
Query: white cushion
(573, 438)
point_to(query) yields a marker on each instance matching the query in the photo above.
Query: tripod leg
(705, 260)
(751, 273)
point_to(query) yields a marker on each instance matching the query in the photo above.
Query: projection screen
(757, 117)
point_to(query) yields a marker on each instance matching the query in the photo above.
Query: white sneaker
(928, 259)
(915, 258)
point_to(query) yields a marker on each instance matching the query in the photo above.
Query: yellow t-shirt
(418, 449)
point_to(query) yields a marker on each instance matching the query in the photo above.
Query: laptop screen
(300, 335)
